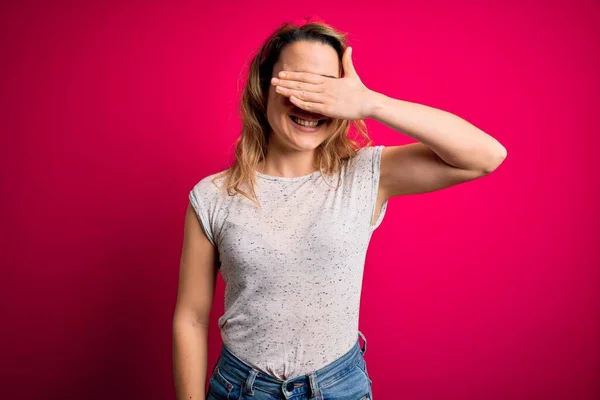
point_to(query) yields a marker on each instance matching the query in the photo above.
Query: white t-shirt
(293, 268)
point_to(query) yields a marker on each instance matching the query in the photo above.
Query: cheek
(278, 106)
(279, 100)
(277, 112)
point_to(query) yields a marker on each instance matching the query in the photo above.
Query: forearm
(190, 359)
(454, 140)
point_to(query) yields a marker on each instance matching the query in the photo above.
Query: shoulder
(366, 159)
(212, 184)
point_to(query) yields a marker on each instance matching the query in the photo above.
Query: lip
(308, 117)
(306, 129)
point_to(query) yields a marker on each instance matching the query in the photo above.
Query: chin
(306, 143)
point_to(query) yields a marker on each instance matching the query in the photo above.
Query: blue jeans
(343, 379)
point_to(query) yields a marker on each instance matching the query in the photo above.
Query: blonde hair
(251, 146)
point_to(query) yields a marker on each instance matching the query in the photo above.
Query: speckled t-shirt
(293, 268)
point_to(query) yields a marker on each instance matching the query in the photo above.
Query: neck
(287, 163)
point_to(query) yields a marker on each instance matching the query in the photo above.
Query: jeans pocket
(350, 384)
(223, 385)
(362, 365)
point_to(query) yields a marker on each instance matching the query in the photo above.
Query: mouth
(310, 125)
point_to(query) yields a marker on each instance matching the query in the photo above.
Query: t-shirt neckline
(287, 179)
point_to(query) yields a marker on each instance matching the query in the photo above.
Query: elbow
(495, 160)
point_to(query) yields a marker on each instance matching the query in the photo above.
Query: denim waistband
(254, 379)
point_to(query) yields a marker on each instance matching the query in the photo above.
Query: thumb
(347, 63)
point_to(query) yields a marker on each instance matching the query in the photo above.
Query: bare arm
(197, 279)
(450, 150)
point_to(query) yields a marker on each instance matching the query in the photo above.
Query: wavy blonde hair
(251, 146)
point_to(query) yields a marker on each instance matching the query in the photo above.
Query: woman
(288, 224)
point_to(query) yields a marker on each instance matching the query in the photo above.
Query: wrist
(373, 103)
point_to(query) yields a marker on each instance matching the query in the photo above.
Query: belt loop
(364, 348)
(249, 382)
(315, 392)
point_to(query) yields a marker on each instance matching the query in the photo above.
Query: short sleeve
(367, 175)
(202, 198)
(375, 175)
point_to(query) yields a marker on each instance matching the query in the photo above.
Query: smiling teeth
(303, 122)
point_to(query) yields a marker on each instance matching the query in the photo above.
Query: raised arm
(450, 150)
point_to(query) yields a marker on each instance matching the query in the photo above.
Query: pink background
(112, 112)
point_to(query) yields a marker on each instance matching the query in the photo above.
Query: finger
(300, 94)
(302, 77)
(308, 106)
(296, 85)
(347, 62)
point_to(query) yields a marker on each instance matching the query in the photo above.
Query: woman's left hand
(344, 98)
